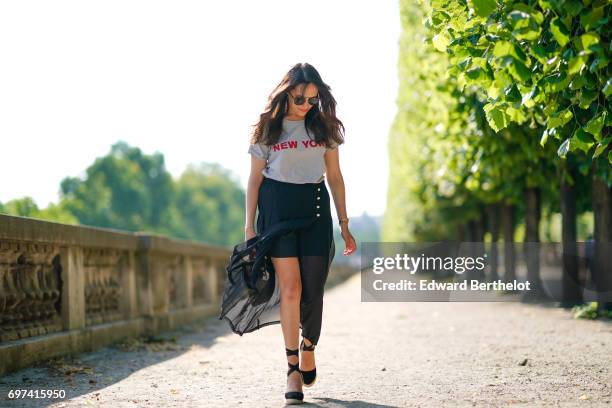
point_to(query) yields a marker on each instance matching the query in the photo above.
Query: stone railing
(66, 288)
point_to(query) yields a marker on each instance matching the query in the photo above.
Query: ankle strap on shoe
(307, 348)
(292, 368)
(292, 352)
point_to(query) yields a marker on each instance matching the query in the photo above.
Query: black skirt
(281, 203)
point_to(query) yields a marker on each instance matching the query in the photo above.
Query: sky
(187, 79)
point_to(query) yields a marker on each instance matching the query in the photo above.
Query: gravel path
(370, 355)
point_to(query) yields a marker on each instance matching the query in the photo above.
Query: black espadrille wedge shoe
(294, 397)
(309, 377)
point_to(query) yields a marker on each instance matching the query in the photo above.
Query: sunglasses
(299, 100)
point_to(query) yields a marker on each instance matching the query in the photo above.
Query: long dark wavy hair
(321, 120)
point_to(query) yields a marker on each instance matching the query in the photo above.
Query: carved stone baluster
(53, 279)
(97, 292)
(199, 280)
(171, 271)
(103, 281)
(42, 266)
(212, 281)
(3, 295)
(103, 287)
(113, 284)
(53, 283)
(27, 308)
(14, 297)
(41, 312)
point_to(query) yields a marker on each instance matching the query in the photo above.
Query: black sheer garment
(299, 216)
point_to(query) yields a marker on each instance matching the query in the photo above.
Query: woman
(293, 149)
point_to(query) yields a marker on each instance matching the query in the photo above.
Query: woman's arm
(335, 181)
(252, 195)
(336, 184)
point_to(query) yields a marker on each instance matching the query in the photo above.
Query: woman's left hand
(349, 241)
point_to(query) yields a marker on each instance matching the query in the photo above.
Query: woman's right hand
(249, 233)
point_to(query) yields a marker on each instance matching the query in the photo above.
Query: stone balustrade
(66, 288)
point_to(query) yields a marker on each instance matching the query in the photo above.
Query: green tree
(125, 189)
(27, 207)
(211, 204)
(543, 65)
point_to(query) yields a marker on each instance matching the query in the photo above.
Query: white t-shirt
(296, 158)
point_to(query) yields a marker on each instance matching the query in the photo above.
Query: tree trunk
(571, 284)
(507, 212)
(602, 234)
(468, 247)
(493, 227)
(473, 247)
(532, 243)
(461, 232)
(479, 249)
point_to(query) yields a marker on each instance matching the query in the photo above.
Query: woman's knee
(291, 293)
(288, 274)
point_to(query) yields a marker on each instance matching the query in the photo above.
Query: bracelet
(341, 220)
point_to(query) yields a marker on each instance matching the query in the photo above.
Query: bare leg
(288, 275)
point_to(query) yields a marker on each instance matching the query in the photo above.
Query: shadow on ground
(87, 372)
